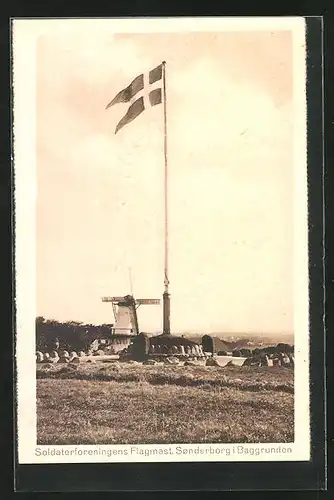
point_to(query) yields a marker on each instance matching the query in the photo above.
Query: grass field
(126, 403)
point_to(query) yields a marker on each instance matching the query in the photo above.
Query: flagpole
(166, 296)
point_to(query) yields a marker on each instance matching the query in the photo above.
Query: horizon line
(183, 332)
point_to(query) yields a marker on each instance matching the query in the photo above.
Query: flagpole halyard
(166, 296)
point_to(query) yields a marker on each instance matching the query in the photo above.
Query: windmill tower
(126, 319)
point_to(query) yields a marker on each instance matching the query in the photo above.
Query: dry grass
(129, 403)
(244, 378)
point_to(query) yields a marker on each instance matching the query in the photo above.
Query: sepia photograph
(161, 239)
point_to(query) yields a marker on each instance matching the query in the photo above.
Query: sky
(230, 120)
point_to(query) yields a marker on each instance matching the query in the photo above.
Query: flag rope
(166, 296)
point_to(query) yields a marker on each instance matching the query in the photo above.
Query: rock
(73, 355)
(285, 360)
(237, 361)
(172, 360)
(64, 354)
(39, 357)
(220, 361)
(209, 362)
(63, 360)
(54, 358)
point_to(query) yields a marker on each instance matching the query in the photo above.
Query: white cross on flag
(142, 85)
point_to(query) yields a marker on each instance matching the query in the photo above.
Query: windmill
(125, 313)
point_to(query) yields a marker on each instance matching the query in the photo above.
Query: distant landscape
(238, 340)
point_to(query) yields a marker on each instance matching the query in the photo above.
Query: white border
(25, 33)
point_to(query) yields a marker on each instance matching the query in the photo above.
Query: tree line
(68, 335)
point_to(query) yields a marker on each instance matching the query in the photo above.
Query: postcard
(161, 240)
